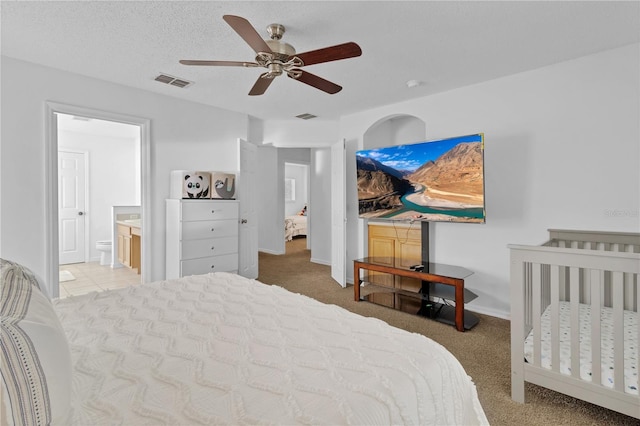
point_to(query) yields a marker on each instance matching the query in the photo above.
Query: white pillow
(36, 361)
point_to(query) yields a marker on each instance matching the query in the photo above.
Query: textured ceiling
(444, 45)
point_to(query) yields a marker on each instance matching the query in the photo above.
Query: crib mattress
(630, 345)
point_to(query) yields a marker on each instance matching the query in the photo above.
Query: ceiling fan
(280, 58)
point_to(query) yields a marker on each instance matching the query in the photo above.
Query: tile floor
(92, 276)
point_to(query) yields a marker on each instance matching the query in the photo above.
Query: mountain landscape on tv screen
(449, 188)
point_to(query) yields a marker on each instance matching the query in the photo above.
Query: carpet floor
(484, 351)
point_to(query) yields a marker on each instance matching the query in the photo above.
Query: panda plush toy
(196, 185)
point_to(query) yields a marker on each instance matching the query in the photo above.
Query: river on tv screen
(435, 181)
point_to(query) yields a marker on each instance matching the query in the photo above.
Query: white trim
(321, 262)
(488, 311)
(338, 213)
(51, 184)
(271, 251)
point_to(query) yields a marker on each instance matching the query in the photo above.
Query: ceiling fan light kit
(280, 58)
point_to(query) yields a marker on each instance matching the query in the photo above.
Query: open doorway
(99, 197)
(52, 234)
(296, 204)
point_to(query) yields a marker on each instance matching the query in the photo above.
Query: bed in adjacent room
(294, 226)
(220, 349)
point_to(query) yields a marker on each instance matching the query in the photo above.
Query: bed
(294, 226)
(219, 349)
(585, 281)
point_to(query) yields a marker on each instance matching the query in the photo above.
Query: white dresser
(202, 237)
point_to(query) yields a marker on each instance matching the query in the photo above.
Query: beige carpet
(483, 351)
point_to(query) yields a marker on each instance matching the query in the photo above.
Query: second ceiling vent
(173, 81)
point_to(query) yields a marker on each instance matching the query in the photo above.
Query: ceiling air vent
(306, 116)
(173, 81)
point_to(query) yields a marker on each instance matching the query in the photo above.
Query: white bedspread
(222, 349)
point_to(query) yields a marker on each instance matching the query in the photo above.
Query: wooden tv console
(436, 280)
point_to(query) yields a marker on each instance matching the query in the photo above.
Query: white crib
(586, 281)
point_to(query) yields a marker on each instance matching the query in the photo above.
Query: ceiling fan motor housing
(281, 50)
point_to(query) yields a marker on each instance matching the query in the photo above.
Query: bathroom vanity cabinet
(202, 237)
(129, 245)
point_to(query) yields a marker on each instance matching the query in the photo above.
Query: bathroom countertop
(134, 223)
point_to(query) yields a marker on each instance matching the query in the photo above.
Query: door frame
(307, 167)
(248, 217)
(51, 186)
(87, 224)
(339, 214)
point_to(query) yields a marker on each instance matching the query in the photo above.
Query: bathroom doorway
(114, 151)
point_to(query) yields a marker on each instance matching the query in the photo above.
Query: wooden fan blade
(328, 54)
(317, 82)
(261, 85)
(219, 63)
(247, 32)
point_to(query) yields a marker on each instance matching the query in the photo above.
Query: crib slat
(629, 288)
(536, 312)
(555, 318)
(526, 269)
(574, 280)
(563, 282)
(596, 277)
(618, 331)
(605, 287)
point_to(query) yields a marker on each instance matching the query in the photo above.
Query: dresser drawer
(224, 263)
(193, 249)
(209, 229)
(203, 210)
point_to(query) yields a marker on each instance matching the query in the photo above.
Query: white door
(71, 207)
(338, 214)
(248, 246)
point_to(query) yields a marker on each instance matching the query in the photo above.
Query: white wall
(320, 202)
(114, 172)
(297, 172)
(561, 151)
(297, 133)
(269, 230)
(184, 136)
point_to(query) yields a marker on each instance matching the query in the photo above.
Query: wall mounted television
(434, 181)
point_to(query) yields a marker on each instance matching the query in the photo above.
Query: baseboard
(320, 261)
(488, 311)
(271, 251)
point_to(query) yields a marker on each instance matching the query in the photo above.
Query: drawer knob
(212, 229)
(213, 266)
(213, 247)
(213, 211)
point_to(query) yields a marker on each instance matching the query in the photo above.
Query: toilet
(104, 247)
